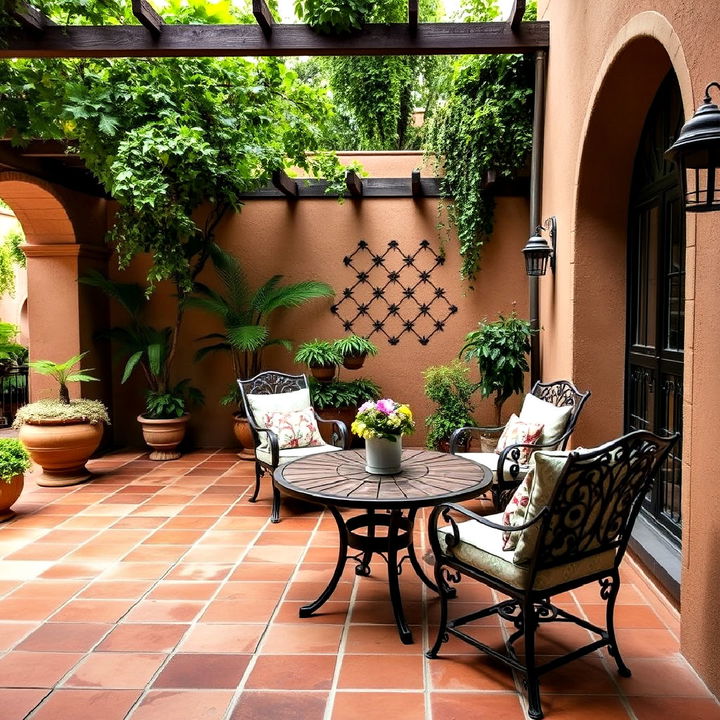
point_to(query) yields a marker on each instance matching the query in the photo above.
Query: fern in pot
(59, 433)
(14, 461)
(321, 356)
(354, 349)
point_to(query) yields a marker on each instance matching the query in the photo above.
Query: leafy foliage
(339, 394)
(500, 349)
(355, 345)
(318, 353)
(245, 314)
(50, 410)
(14, 459)
(64, 373)
(11, 351)
(485, 124)
(334, 17)
(10, 256)
(173, 403)
(450, 388)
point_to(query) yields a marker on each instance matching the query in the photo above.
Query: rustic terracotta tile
(24, 608)
(292, 672)
(116, 589)
(654, 708)
(251, 610)
(103, 611)
(283, 638)
(64, 637)
(199, 571)
(383, 705)
(401, 672)
(298, 705)
(185, 704)
(202, 670)
(17, 703)
(470, 672)
(217, 638)
(333, 612)
(143, 637)
(87, 704)
(498, 706)
(662, 677)
(261, 572)
(165, 611)
(135, 571)
(583, 707)
(115, 670)
(381, 639)
(626, 616)
(39, 670)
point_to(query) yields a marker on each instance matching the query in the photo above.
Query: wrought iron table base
(399, 537)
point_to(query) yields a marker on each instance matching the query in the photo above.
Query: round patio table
(339, 480)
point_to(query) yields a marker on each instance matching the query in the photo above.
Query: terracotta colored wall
(606, 62)
(308, 240)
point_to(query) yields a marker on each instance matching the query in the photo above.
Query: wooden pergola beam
(30, 18)
(413, 13)
(263, 16)
(416, 183)
(248, 40)
(285, 184)
(516, 14)
(148, 16)
(354, 183)
(41, 148)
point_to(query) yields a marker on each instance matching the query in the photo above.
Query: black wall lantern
(697, 153)
(537, 251)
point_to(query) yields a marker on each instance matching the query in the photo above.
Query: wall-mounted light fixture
(537, 251)
(697, 153)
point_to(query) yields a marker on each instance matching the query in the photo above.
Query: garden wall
(309, 239)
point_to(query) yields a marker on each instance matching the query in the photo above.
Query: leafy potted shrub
(450, 388)
(61, 434)
(340, 400)
(245, 315)
(14, 461)
(500, 349)
(151, 349)
(321, 357)
(354, 349)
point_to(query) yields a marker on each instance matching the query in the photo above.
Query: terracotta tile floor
(157, 591)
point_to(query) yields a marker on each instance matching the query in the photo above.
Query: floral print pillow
(294, 428)
(518, 431)
(516, 511)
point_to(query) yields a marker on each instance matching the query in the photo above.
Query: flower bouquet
(382, 424)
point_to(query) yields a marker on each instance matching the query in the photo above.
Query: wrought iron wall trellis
(415, 300)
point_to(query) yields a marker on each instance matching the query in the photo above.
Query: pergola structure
(37, 36)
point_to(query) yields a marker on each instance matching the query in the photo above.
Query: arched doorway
(656, 300)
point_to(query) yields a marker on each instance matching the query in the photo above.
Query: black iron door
(656, 300)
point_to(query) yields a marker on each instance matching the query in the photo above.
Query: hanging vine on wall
(486, 124)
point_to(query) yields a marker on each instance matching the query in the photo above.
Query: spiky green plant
(64, 373)
(246, 314)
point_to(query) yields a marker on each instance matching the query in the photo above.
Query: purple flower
(369, 405)
(386, 406)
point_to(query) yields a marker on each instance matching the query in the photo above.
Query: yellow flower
(405, 410)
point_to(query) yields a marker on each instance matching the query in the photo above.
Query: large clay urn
(61, 449)
(243, 435)
(164, 435)
(9, 492)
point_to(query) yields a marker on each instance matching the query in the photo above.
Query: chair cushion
(481, 547)
(294, 428)
(289, 454)
(553, 419)
(516, 511)
(516, 432)
(278, 402)
(491, 460)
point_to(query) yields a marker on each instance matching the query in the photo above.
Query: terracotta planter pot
(62, 449)
(164, 436)
(9, 493)
(354, 362)
(323, 373)
(244, 437)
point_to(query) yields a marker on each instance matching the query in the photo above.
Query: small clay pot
(354, 362)
(164, 436)
(9, 492)
(323, 373)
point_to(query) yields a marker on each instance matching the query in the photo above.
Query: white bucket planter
(382, 457)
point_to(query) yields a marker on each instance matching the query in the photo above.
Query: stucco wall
(308, 239)
(606, 62)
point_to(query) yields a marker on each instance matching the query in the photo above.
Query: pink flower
(369, 405)
(386, 406)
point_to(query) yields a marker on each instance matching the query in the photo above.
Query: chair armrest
(511, 455)
(460, 435)
(341, 432)
(273, 440)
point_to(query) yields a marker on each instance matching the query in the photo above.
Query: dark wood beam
(148, 16)
(263, 16)
(310, 188)
(42, 148)
(248, 40)
(285, 184)
(413, 11)
(416, 183)
(30, 18)
(516, 14)
(353, 183)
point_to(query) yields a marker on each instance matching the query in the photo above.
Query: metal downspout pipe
(536, 167)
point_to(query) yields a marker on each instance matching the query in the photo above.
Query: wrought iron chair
(582, 508)
(508, 472)
(292, 393)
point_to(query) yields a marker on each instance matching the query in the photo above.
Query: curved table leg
(363, 566)
(393, 581)
(307, 610)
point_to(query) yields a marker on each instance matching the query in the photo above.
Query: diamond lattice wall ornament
(394, 294)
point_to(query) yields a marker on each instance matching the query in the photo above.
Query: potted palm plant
(321, 357)
(14, 461)
(150, 349)
(61, 434)
(245, 315)
(354, 349)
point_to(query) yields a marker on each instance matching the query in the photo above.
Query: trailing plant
(245, 314)
(340, 394)
(318, 353)
(64, 373)
(53, 410)
(14, 459)
(450, 388)
(355, 345)
(500, 349)
(485, 124)
(11, 351)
